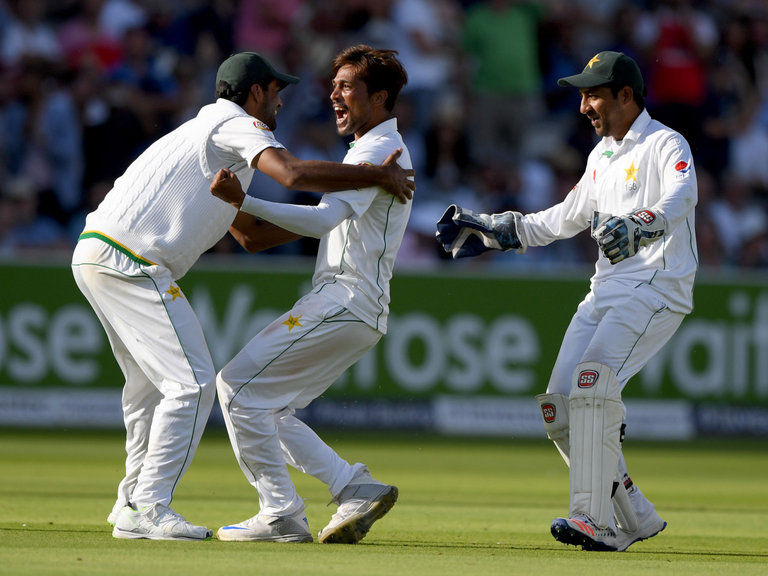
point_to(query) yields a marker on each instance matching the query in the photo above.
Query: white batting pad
(625, 515)
(554, 413)
(623, 510)
(595, 426)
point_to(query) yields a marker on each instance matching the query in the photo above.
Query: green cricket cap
(608, 68)
(244, 69)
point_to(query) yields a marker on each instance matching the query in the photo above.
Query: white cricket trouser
(169, 375)
(619, 325)
(283, 368)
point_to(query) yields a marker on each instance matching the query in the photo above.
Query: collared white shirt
(355, 260)
(651, 167)
(161, 208)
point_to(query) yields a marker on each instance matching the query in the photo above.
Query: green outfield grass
(467, 507)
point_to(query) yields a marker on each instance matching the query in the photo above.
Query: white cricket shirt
(651, 167)
(355, 259)
(161, 208)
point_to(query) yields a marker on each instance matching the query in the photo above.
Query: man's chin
(344, 130)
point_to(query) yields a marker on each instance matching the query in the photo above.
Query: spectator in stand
(101, 116)
(708, 236)
(739, 218)
(446, 145)
(265, 26)
(426, 39)
(678, 41)
(194, 38)
(84, 40)
(28, 34)
(501, 46)
(29, 230)
(42, 136)
(561, 52)
(116, 17)
(146, 86)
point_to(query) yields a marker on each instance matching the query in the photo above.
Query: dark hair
(378, 69)
(225, 91)
(636, 96)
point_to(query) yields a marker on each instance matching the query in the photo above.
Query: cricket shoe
(361, 502)
(581, 531)
(265, 528)
(112, 518)
(648, 522)
(157, 522)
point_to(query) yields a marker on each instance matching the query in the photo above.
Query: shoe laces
(359, 497)
(350, 507)
(586, 525)
(269, 519)
(165, 516)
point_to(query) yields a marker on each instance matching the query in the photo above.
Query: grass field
(467, 507)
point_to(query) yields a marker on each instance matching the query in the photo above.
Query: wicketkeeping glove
(464, 233)
(620, 237)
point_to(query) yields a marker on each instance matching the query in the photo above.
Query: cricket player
(638, 194)
(146, 234)
(297, 357)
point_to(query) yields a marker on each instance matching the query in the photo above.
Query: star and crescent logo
(631, 173)
(175, 292)
(292, 322)
(594, 60)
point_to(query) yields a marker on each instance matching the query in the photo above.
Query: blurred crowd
(88, 84)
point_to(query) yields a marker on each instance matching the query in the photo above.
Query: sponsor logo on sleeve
(682, 168)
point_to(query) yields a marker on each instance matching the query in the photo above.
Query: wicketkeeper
(638, 194)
